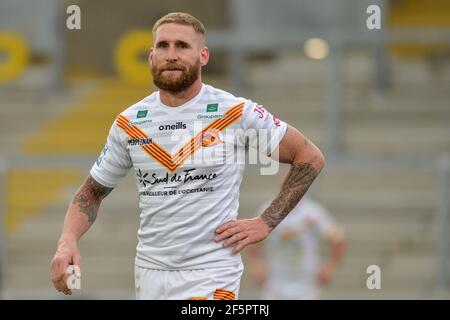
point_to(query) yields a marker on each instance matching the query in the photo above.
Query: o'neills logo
(210, 138)
(176, 126)
(139, 142)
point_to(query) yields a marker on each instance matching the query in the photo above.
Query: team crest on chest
(211, 138)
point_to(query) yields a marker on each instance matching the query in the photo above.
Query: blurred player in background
(291, 266)
(189, 237)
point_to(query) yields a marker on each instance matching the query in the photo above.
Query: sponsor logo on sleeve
(260, 111)
(276, 121)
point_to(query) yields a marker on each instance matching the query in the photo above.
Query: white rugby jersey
(184, 161)
(294, 263)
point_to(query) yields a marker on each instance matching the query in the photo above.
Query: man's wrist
(67, 239)
(266, 223)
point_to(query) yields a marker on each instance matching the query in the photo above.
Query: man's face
(177, 57)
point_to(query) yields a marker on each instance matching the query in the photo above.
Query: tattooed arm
(81, 214)
(306, 163)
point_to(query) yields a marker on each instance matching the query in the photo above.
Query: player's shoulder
(212, 93)
(140, 109)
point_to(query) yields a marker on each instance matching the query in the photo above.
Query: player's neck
(177, 99)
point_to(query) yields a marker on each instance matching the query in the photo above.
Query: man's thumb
(77, 264)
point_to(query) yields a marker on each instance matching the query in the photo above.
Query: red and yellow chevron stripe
(222, 294)
(153, 149)
(163, 157)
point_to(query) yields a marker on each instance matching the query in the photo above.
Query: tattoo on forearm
(299, 179)
(89, 197)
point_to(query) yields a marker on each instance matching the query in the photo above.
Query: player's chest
(176, 143)
(201, 136)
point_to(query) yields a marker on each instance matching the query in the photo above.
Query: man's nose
(172, 54)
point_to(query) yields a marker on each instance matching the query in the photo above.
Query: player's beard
(179, 83)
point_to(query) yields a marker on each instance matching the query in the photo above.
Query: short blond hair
(180, 18)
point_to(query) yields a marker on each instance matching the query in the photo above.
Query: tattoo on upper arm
(299, 179)
(89, 197)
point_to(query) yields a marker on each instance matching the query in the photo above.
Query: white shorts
(201, 284)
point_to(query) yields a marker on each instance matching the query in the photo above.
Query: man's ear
(204, 56)
(150, 56)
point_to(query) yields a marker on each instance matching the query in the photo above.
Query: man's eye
(162, 45)
(183, 45)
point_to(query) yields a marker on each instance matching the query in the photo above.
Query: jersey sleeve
(261, 130)
(114, 160)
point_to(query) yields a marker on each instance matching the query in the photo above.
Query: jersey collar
(184, 106)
